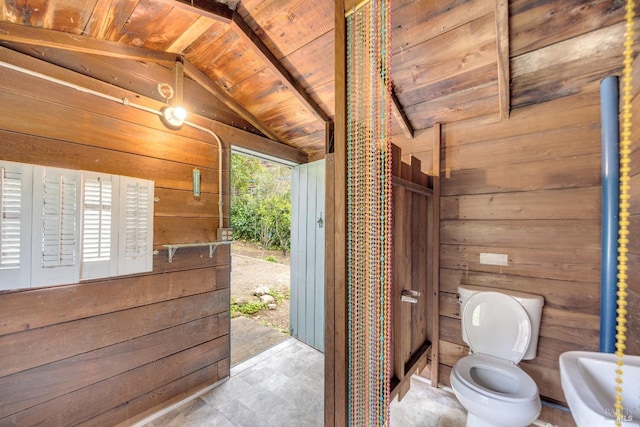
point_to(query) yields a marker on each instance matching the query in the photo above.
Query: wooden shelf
(172, 249)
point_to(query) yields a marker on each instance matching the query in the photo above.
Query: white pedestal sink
(588, 382)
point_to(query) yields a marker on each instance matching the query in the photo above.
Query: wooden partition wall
(100, 352)
(414, 319)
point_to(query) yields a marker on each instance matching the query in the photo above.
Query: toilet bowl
(499, 328)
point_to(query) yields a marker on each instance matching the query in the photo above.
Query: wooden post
(435, 236)
(336, 399)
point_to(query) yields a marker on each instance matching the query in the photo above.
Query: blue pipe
(610, 200)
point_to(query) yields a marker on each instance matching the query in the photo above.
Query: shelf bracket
(172, 249)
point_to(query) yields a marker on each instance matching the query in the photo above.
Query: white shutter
(56, 225)
(15, 224)
(136, 226)
(99, 225)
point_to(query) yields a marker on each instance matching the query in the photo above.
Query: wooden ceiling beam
(76, 43)
(211, 9)
(400, 116)
(203, 80)
(246, 33)
(502, 45)
(259, 144)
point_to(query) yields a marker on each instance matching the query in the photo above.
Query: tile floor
(284, 386)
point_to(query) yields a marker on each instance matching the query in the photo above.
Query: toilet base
(473, 421)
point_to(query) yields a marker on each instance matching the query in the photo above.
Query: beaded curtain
(369, 213)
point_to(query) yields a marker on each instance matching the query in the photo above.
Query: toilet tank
(532, 304)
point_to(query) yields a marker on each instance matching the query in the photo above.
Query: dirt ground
(249, 269)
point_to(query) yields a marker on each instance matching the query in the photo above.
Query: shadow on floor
(284, 386)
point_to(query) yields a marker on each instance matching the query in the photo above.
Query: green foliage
(261, 202)
(247, 309)
(271, 258)
(279, 296)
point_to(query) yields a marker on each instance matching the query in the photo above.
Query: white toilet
(501, 328)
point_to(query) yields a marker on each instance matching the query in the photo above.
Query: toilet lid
(497, 325)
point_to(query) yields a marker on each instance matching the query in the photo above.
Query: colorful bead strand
(369, 214)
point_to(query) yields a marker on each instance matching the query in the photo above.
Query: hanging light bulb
(174, 116)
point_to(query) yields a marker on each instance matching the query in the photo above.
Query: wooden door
(307, 253)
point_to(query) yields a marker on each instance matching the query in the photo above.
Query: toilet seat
(506, 336)
(478, 371)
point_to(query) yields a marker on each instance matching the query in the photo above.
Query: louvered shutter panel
(15, 225)
(99, 225)
(136, 226)
(56, 225)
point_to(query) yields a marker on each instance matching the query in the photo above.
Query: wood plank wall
(528, 187)
(99, 352)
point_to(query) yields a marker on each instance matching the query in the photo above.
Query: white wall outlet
(494, 259)
(225, 234)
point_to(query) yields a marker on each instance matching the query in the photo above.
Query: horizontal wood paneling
(578, 110)
(528, 187)
(119, 390)
(568, 172)
(582, 297)
(101, 351)
(533, 146)
(182, 203)
(34, 348)
(90, 118)
(26, 148)
(523, 233)
(35, 386)
(169, 230)
(579, 203)
(68, 303)
(537, 24)
(440, 17)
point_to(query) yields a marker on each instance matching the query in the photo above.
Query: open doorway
(260, 274)
(277, 275)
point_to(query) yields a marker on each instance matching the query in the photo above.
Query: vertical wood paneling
(98, 352)
(412, 261)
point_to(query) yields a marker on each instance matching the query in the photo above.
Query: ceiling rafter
(211, 9)
(82, 44)
(245, 32)
(400, 116)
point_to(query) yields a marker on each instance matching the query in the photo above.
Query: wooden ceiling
(267, 66)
